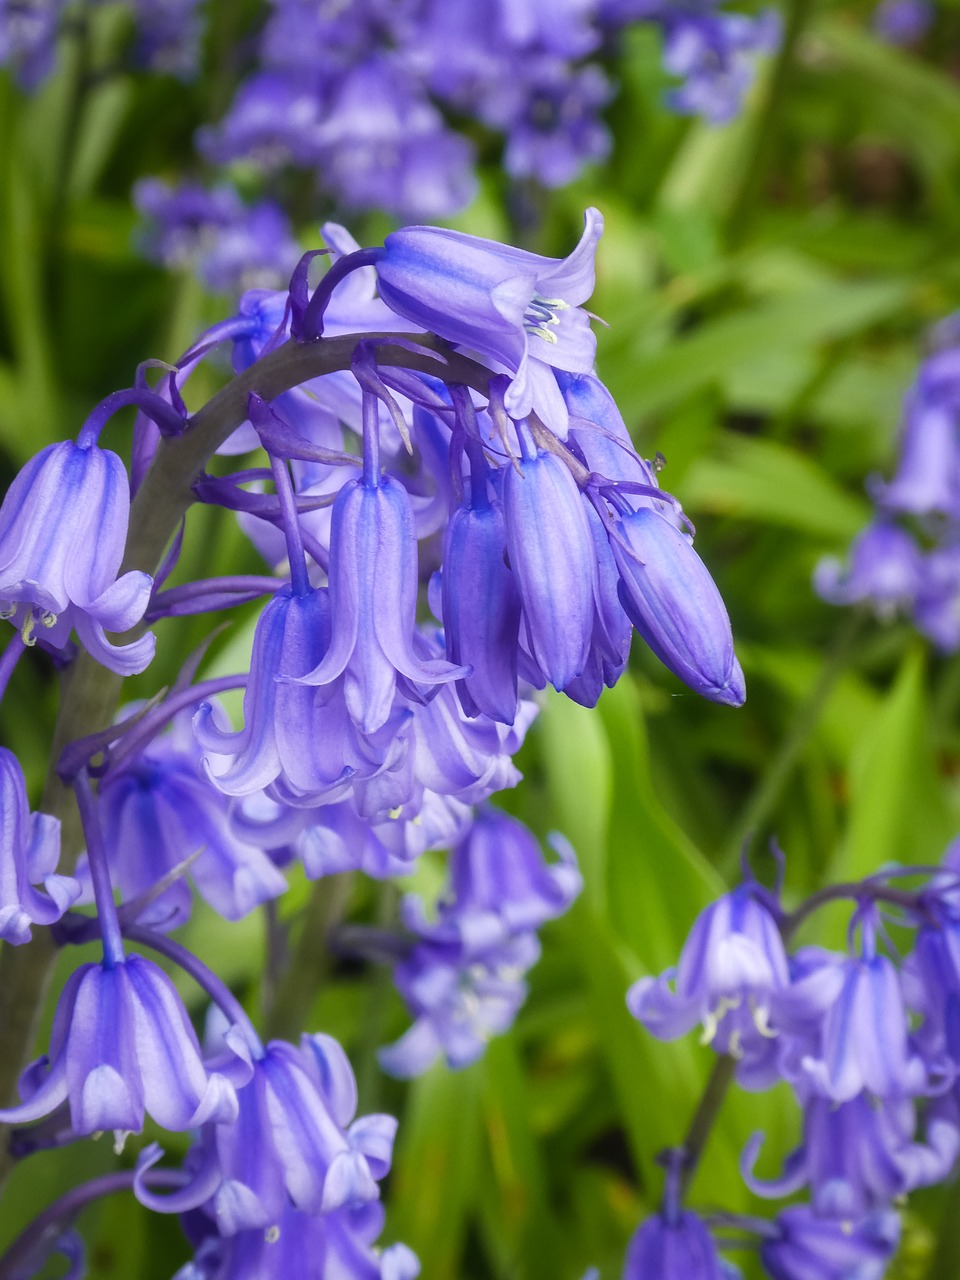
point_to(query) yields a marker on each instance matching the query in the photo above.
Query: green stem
(91, 694)
(749, 826)
(745, 204)
(704, 1118)
(309, 965)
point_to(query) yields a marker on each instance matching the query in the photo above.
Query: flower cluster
(458, 458)
(866, 1041)
(907, 560)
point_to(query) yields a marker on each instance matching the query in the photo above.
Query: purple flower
(553, 558)
(863, 1042)
(373, 596)
(63, 526)
(500, 884)
(481, 609)
(276, 116)
(672, 600)
(733, 963)
(550, 116)
(936, 611)
(519, 310)
(886, 567)
(157, 810)
(296, 1140)
(121, 1046)
(295, 734)
(902, 21)
(459, 998)
(309, 1246)
(928, 471)
(29, 852)
(860, 1155)
(169, 35)
(712, 52)
(674, 1247)
(806, 1247)
(213, 233)
(28, 38)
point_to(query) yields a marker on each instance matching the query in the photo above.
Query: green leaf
(773, 484)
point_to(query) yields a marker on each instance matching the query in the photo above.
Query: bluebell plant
(439, 389)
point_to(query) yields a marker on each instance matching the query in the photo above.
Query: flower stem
(749, 826)
(711, 1100)
(99, 872)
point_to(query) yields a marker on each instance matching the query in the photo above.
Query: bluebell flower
(731, 968)
(500, 884)
(121, 1047)
(864, 1041)
(158, 809)
(860, 1156)
(902, 22)
(550, 115)
(373, 597)
(340, 1243)
(672, 600)
(276, 116)
(553, 559)
(806, 1247)
(230, 246)
(927, 478)
(936, 610)
(29, 853)
(296, 1140)
(28, 38)
(715, 54)
(168, 36)
(677, 1246)
(63, 526)
(517, 309)
(459, 998)
(886, 569)
(297, 738)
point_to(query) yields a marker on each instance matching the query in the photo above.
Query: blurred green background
(767, 288)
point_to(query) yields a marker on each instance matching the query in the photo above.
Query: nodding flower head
(63, 526)
(675, 1246)
(29, 852)
(807, 1247)
(731, 966)
(122, 1046)
(517, 309)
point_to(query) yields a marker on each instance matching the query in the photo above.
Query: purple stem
(208, 595)
(299, 578)
(11, 656)
(216, 989)
(47, 1228)
(155, 407)
(371, 440)
(160, 717)
(113, 953)
(311, 325)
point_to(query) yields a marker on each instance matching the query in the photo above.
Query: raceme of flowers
(439, 545)
(907, 560)
(866, 1040)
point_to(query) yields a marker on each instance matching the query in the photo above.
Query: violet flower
(29, 853)
(731, 967)
(121, 1047)
(677, 1246)
(672, 600)
(805, 1247)
(63, 526)
(519, 310)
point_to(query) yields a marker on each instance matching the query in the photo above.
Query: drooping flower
(672, 600)
(731, 967)
(519, 310)
(677, 1246)
(807, 1247)
(121, 1047)
(29, 853)
(553, 559)
(886, 569)
(296, 1140)
(373, 593)
(63, 526)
